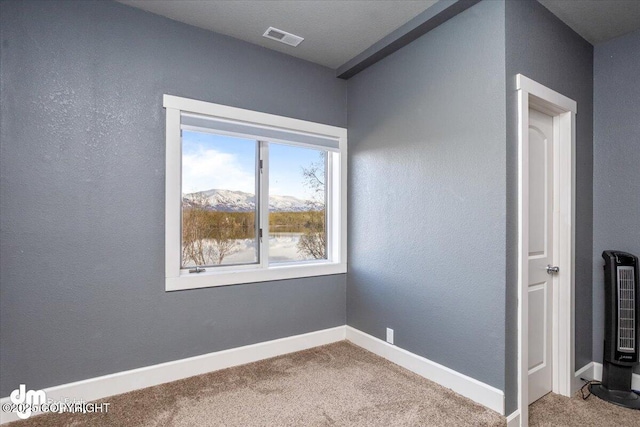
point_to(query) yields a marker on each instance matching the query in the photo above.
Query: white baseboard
(593, 371)
(513, 420)
(473, 389)
(585, 372)
(123, 382)
(597, 375)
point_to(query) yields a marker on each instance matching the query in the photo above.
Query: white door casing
(561, 294)
(540, 253)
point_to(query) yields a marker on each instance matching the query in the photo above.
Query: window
(251, 197)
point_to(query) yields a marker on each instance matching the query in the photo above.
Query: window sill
(237, 277)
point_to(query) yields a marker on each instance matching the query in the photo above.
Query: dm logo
(25, 400)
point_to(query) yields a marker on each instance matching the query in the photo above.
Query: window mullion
(263, 203)
(328, 204)
(335, 207)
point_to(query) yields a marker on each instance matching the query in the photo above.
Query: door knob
(552, 270)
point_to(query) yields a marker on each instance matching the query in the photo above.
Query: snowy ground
(282, 247)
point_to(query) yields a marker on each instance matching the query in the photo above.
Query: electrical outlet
(390, 335)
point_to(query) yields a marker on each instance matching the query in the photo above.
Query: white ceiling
(597, 20)
(335, 31)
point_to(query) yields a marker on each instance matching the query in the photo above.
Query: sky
(212, 161)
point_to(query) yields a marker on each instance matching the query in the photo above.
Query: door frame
(563, 110)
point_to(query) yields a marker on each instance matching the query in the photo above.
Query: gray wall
(427, 195)
(82, 195)
(616, 166)
(543, 48)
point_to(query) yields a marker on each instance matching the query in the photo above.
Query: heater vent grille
(626, 309)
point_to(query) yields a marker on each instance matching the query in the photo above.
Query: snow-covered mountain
(239, 201)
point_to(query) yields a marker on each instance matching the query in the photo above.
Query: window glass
(219, 209)
(297, 201)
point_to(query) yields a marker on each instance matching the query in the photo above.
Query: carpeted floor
(554, 410)
(338, 384)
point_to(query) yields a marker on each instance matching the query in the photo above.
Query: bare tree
(195, 231)
(206, 235)
(313, 178)
(313, 242)
(223, 241)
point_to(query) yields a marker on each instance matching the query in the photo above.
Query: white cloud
(207, 169)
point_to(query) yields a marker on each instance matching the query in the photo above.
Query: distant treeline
(241, 225)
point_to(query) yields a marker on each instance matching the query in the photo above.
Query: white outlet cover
(390, 335)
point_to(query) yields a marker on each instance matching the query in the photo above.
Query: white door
(540, 254)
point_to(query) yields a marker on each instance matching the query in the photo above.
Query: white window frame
(177, 278)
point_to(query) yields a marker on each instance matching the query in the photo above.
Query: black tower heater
(621, 336)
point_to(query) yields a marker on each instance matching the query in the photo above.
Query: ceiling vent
(282, 36)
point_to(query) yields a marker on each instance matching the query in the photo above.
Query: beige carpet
(554, 410)
(338, 384)
(334, 385)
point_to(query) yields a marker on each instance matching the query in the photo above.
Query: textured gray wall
(82, 195)
(427, 195)
(616, 165)
(543, 48)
